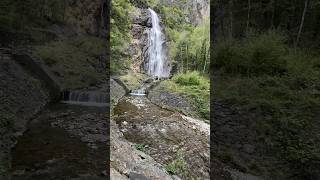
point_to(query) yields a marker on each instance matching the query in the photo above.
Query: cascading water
(87, 98)
(157, 62)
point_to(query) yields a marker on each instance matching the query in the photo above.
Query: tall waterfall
(157, 63)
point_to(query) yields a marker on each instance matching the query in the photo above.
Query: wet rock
(116, 92)
(125, 160)
(136, 176)
(19, 172)
(248, 148)
(63, 141)
(104, 173)
(115, 175)
(167, 134)
(143, 18)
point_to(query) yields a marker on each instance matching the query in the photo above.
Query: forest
(265, 62)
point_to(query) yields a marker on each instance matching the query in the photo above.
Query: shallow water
(48, 151)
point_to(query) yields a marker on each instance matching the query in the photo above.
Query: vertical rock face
(85, 16)
(196, 10)
(138, 49)
(21, 97)
(200, 9)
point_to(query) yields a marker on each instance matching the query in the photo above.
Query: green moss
(133, 80)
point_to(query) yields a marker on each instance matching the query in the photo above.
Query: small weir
(85, 98)
(138, 92)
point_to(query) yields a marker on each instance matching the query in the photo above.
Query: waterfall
(157, 63)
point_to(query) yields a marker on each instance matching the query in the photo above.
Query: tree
(306, 2)
(248, 16)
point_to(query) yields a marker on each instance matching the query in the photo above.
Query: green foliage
(191, 48)
(255, 55)
(120, 33)
(190, 79)
(194, 86)
(140, 147)
(173, 16)
(18, 14)
(287, 105)
(178, 166)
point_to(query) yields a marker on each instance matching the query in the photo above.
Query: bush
(257, 55)
(196, 87)
(189, 79)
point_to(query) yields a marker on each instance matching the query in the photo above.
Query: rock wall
(196, 10)
(117, 91)
(138, 48)
(128, 163)
(86, 16)
(21, 97)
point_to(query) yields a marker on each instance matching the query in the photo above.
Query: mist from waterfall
(157, 63)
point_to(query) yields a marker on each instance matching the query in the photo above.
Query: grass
(73, 61)
(196, 87)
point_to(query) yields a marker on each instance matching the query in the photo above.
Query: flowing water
(157, 65)
(64, 141)
(138, 92)
(86, 98)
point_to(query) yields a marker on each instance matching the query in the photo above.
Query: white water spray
(157, 64)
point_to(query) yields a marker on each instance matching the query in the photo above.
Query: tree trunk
(306, 2)
(187, 68)
(248, 16)
(231, 18)
(272, 14)
(205, 59)
(181, 59)
(220, 13)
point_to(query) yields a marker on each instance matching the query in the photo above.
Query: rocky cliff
(21, 97)
(138, 48)
(196, 10)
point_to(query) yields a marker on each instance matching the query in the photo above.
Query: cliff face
(21, 97)
(138, 48)
(87, 16)
(196, 10)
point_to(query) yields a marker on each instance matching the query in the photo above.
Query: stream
(166, 136)
(64, 141)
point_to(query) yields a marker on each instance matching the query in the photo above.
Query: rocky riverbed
(63, 142)
(166, 136)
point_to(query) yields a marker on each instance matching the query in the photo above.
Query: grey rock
(248, 148)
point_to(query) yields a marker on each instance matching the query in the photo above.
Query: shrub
(257, 55)
(177, 166)
(140, 147)
(190, 79)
